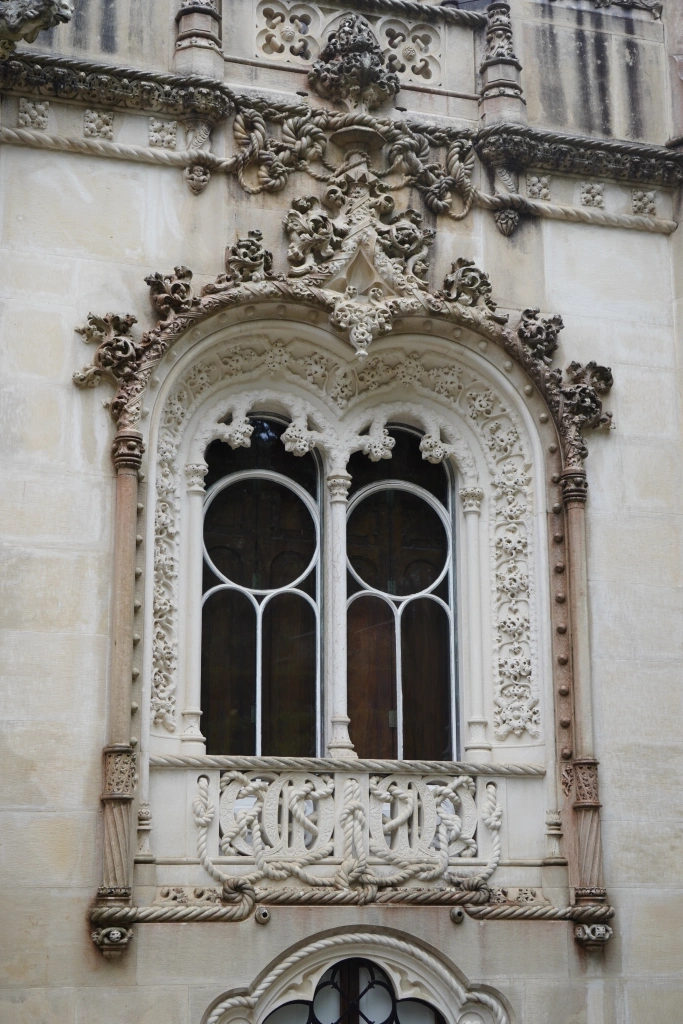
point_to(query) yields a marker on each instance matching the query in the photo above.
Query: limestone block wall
(80, 233)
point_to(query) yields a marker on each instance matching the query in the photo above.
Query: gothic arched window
(355, 991)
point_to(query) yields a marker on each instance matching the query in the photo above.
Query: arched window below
(355, 991)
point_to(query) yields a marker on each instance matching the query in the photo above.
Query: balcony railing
(314, 830)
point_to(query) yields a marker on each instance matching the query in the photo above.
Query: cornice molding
(421, 11)
(516, 147)
(108, 85)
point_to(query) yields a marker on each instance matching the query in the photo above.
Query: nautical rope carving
(272, 829)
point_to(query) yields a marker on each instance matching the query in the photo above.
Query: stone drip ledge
(113, 929)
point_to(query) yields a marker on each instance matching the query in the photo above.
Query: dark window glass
(259, 535)
(229, 674)
(398, 543)
(371, 677)
(266, 452)
(288, 677)
(355, 991)
(425, 674)
(406, 463)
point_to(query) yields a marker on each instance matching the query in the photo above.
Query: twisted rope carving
(304, 141)
(587, 914)
(115, 150)
(329, 764)
(354, 870)
(424, 12)
(572, 214)
(237, 889)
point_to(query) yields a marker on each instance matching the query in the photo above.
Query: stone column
(588, 880)
(198, 43)
(501, 96)
(120, 775)
(340, 745)
(192, 739)
(477, 747)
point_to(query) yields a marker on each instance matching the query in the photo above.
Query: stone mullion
(335, 629)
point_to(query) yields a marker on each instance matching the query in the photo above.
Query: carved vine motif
(363, 266)
(24, 19)
(120, 773)
(352, 67)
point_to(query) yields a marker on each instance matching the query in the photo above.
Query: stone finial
(24, 19)
(352, 67)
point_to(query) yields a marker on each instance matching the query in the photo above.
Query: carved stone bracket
(23, 20)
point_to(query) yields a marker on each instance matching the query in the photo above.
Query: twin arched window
(262, 668)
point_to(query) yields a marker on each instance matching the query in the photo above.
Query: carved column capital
(586, 782)
(120, 772)
(338, 485)
(471, 498)
(574, 487)
(127, 450)
(194, 476)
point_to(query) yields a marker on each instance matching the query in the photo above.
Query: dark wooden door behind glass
(261, 536)
(398, 544)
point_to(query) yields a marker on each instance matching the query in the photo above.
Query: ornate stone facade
(390, 214)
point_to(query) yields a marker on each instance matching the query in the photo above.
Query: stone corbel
(20, 21)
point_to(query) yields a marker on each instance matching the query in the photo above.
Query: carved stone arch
(454, 395)
(414, 970)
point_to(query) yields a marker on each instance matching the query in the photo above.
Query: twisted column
(120, 776)
(586, 873)
(191, 738)
(339, 744)
(476, 744)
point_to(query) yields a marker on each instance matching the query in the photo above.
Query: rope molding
(188, 158)
(469, 901)
(425, 11)
(328, 764)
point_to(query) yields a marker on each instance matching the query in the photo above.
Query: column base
(340, 744)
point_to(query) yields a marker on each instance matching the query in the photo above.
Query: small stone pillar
(502, 99)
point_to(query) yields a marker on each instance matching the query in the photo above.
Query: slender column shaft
(120, 776)
(578, 607)
(192, 739)
(476, 742)
(588, 878)
(339, 744)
